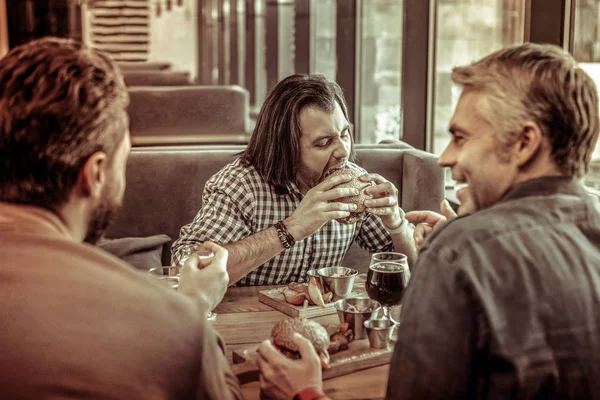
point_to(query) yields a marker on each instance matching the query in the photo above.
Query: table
(243, 320)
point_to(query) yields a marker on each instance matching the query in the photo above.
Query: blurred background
(392, 58)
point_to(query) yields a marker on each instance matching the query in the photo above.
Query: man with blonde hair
(504, 301)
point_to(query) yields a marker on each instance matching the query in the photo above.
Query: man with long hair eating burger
(273, 210)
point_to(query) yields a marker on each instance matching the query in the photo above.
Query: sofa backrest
(188, 115)
(126, 66)
(134, 77)
(165, 185)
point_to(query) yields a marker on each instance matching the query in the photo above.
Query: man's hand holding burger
(384, 204)
(282, 378)
(319, 207)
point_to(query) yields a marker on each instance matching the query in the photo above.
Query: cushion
(141, 252)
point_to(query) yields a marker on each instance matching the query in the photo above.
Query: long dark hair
(274, 148)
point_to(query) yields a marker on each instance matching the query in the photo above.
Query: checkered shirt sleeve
(225, 215)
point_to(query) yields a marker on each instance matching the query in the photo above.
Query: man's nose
(447, 158)
(342, 150)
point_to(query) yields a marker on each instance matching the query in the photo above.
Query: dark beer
(386, 282)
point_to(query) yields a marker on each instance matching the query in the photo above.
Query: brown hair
(544, 84)
(60, 102)
(274, 148)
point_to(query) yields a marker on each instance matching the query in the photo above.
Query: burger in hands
(283, 331)
(359, 199)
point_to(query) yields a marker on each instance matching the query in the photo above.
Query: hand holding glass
(167, 275)
(204, 256)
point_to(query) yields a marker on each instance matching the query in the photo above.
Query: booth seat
(144, 65)
(135, 77)
(165, 185)
(189, 115)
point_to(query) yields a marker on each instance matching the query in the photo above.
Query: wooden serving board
(359, 356)
(274, 298)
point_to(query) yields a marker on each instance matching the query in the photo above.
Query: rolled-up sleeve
(437, 336)
(225, 216)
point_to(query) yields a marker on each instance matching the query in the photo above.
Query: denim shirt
(505, 303)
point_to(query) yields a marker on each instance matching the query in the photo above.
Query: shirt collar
(24, 218)
(544, 186)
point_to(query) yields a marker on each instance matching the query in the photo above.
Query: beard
(308, 177)
(102, 217)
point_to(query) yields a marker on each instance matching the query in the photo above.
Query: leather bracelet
(286, 238)
(310, 394)
(400, 228)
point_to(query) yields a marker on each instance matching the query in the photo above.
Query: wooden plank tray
(359, 356)
(274, 298)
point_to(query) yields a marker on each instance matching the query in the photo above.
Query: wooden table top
(243, 320)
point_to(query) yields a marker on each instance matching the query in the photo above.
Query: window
(323, 36)
(466, 31)
(586, 50)
(380, 71)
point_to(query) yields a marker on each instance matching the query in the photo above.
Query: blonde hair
(543, 84)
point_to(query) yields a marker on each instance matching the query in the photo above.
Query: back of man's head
(60, 102)
(543, 84)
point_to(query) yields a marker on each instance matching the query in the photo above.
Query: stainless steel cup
(342, 285)
(378, 332)
(356, 320)
(312, 273)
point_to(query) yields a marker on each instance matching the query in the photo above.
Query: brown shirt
(75, 322)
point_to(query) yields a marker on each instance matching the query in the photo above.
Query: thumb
(418, 236)
(192, 262)
(447, 210)
(220, 254)
(305, 347)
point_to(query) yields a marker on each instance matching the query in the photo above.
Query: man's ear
(92, 177)
(529, 143)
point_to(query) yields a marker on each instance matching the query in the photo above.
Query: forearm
(247, 254)
(405, 244)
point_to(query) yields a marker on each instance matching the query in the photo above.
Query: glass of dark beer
(386, 282)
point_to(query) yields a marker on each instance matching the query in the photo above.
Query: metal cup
(378, 332)
(312, 273)
(341, 286)
(356, 320)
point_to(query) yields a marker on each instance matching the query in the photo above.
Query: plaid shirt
(238, 203)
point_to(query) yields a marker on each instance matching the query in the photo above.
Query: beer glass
(387, 280)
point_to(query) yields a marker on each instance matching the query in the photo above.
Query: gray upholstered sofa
(165, 184)
(184, 115)
(134, 77)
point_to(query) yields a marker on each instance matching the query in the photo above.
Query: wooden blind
(121, 28)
